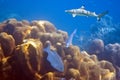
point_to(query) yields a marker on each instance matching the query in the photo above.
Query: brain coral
(24, 57)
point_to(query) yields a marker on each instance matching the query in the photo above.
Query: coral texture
(25, 54)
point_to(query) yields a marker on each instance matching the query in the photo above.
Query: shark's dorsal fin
(82, 7)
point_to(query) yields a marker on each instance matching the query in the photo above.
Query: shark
(83, 12)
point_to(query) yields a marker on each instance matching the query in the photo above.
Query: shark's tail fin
(101, 15)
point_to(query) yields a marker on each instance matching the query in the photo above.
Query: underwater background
(88, 28)
(101, 38)
(54, 11)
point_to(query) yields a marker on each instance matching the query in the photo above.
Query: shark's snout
(69, 11)
(66, 10)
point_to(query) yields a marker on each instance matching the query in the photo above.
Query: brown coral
(73, 73)
(44, 26)
(29, 57)
(7, 43)
(26, 59)
(1, 53)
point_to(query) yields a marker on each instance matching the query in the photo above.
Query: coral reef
(109, 52)
(26, 55)
(7, 43)
(107, 30)
(98, 46)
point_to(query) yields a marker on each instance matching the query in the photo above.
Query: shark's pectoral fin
(73, 15)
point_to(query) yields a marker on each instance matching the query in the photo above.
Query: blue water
(54, 11)
(98, 37)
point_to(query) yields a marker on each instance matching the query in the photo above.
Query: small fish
(69, 41)
(83, 12)
(54, 59)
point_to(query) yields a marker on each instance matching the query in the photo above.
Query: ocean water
(54, 11)
(89, 30)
